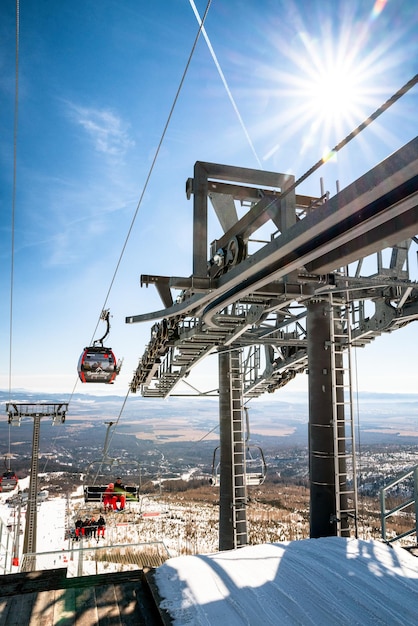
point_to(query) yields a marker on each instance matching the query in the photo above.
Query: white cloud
(106, 130)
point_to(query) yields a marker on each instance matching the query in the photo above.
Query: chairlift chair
(255, 468)
(152, 506)
(94, 492)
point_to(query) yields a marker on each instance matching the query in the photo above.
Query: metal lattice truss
(56, 410)
(278, 251)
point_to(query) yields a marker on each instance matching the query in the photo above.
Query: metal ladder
(343, 417)
(239, 499)
(32, 506)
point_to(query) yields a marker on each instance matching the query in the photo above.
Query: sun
(333, 87)
(326, 87)
(333, 96)
(333, 93)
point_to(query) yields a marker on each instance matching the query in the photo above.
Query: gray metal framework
(278, 253)
(16, 410)
(258, 300)
(407, 504)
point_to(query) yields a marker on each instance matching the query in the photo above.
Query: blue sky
(97, 82)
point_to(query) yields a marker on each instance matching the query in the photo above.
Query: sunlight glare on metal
(329, 155)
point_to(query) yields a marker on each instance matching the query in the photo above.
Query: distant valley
(168, 437)
(380, 416)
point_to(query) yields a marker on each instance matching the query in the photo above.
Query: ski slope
(331, 580)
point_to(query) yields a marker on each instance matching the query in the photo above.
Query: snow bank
(324, 581)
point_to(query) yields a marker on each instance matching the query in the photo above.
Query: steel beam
(385, 200)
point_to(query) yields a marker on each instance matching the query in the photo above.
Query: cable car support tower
(37, 410)
(292, 283)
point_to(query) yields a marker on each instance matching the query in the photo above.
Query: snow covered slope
(310, 582)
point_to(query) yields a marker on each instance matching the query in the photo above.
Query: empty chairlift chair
(255, 466)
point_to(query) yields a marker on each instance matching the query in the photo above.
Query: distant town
(157, 442)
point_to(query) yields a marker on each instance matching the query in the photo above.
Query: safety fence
(85, 561)
(399, 506)
(7, 549)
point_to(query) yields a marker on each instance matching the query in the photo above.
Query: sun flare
(333, 88)
(329, 85)
(333, 93)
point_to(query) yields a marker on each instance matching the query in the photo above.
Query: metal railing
(411, 475)
(85, 561)
(7, 549)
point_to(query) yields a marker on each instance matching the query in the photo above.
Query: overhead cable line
(109, 441)
(12, 252)
(151, 168)
(221, 74)
(156, 155)
(396, 96)
(157, 151)
(15, 127)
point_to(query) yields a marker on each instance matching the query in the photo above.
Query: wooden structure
(49, 598)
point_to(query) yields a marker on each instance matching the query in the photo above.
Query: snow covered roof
(331, 580)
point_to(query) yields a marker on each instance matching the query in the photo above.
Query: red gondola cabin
(8, 481)
(97, 365)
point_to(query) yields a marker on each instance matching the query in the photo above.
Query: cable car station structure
(296, 303)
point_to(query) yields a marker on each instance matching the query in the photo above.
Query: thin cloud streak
(106, 130)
